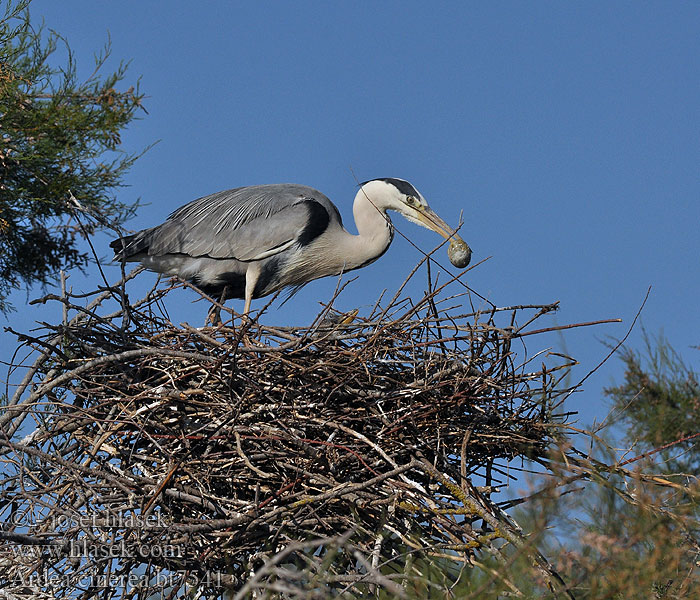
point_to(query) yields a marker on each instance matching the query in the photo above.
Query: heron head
(396, 194)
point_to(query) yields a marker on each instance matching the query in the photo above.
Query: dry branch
(200, 453)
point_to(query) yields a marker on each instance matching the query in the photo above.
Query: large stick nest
(204, 451)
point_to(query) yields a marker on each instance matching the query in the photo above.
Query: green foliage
(632, 528)
(631, 535)
(659, 403)
(58, 136)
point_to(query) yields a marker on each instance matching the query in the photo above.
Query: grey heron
(252, 241)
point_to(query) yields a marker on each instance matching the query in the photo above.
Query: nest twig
(202, 453)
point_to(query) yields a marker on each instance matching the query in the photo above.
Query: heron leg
(214, 315)
(251, 279)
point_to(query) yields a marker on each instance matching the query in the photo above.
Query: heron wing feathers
(249, 223)
(262, 237)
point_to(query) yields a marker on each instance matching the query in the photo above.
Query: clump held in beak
(459, 253)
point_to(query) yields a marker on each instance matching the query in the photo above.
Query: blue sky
(567, 133)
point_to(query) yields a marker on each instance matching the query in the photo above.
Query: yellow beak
(458, 251)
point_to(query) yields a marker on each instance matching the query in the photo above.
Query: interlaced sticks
(306, 433)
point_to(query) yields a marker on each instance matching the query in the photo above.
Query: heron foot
(213, 316)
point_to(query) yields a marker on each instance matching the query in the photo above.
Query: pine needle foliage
(59, 136)
(659, 402)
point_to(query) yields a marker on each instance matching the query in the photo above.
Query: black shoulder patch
(403, 186)
(317, 223)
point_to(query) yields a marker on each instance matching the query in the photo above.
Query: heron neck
(374, 234)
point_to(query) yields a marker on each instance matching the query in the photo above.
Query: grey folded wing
(246, 223)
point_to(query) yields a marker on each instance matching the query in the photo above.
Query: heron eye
(411, 201)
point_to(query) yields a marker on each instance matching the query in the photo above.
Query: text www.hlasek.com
(84, 548)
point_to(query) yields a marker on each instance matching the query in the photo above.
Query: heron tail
(126, 246)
